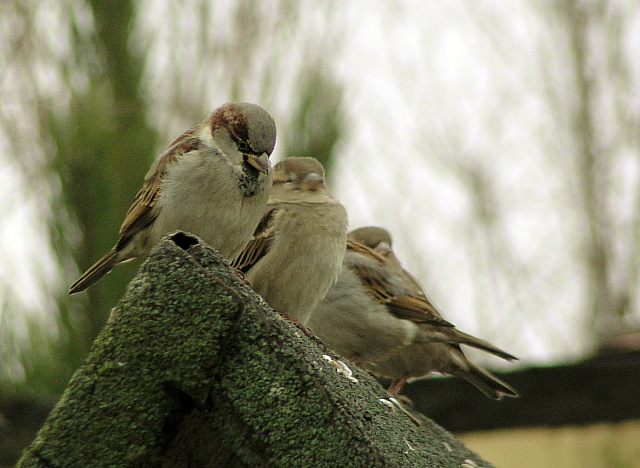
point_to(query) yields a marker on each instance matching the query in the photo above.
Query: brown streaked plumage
(378, 315)
(142, 211)
(213, 180)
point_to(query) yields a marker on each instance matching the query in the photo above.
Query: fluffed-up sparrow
(213, 181)
(296, 253)
(378, 315)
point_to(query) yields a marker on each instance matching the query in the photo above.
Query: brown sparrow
(378, 315)
(213, 181)
(296, 253)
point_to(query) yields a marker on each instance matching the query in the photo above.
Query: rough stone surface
(194, 369)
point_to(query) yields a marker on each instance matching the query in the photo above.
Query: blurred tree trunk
(591, 163)
(83, 154)
(602, 125)
(104, 147)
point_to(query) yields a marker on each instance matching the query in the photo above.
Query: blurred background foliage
(499, 142)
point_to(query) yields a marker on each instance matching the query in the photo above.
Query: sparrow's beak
(312, 182)
(260, 163)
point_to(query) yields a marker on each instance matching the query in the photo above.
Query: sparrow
(296, 253)
(213, 181)
(378, 315)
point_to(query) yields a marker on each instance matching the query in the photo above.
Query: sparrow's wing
(258, 246)
(378, 276)
(143, 210)
(417, 309)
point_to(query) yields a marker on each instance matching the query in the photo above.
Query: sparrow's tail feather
(435, 334)
(469, 340)
(96, 271)
(487, 383)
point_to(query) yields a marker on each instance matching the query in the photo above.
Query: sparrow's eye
(243, 146)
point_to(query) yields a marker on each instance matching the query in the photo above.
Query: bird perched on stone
(213, 181)
(378, 315)
(296, 253)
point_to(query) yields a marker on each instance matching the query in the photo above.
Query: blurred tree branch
(572, 73)
(103, 146)
(603, 125)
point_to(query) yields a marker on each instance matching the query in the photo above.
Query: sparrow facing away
(296, 253)
(378, 315)
(213, 181)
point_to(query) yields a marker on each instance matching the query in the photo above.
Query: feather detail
(143, 210)
(258, 246)
(96, 271)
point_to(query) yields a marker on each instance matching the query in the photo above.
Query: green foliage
(316, 126)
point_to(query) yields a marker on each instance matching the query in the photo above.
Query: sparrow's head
(244, 132)
(372, 236)
(298, 174)
(379, 240)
